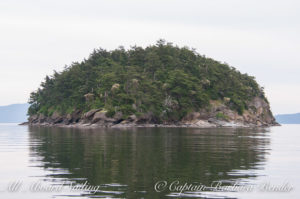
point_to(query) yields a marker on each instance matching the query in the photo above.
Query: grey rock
(132, 118)
(89, 115)
(118, 116)
(100, 116)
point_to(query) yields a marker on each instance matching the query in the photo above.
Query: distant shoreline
(288, 118)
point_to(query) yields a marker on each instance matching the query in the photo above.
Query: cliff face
(161, 84)
(258, 114)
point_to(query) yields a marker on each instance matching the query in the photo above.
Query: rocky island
(160, 85)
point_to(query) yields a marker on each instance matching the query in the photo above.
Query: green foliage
(162, 80)
(221, 116)
(110, 113)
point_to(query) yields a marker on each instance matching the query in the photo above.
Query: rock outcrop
(218, 114)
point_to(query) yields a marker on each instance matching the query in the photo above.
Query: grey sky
(260, 38)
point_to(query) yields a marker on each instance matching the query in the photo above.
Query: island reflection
(133, 160)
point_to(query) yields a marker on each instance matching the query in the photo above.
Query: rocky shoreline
(199, 124)
(218, 115)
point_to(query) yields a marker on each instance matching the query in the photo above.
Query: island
(160, 85)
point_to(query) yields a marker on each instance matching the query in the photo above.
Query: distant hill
(14, 113)
(288, 118)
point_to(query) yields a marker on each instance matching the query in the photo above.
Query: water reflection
(128, 162)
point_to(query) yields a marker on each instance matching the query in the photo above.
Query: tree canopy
(163, 80)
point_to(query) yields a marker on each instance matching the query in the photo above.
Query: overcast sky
(258, 37)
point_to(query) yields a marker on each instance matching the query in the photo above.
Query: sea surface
(51, 162)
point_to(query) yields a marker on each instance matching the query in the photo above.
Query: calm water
(129, 163)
